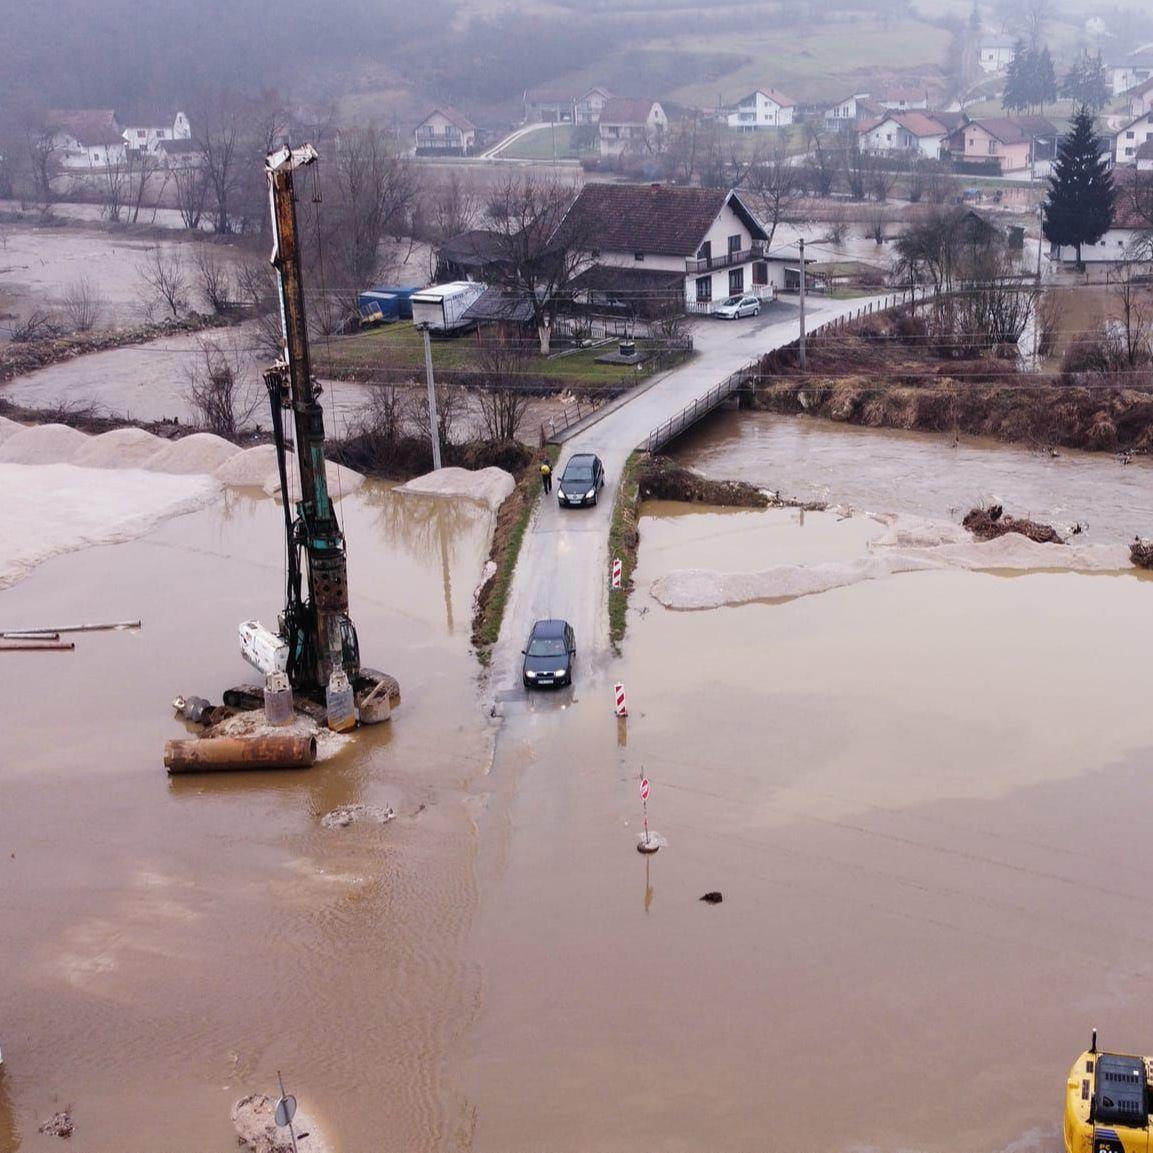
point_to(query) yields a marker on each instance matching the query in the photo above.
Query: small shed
(377, 307)
(403, 294)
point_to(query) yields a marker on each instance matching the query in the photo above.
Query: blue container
(376, 307)
(403, 296)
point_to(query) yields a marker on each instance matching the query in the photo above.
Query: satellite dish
(285, 1110)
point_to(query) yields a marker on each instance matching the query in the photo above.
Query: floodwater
(923, 798)
(168, 945)
(882, 470)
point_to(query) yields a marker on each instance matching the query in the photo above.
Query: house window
(736, 281)
(704, 289)
(761, 272)
(734, 244)
(639, 257)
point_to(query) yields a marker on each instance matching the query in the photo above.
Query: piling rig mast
(318, 631)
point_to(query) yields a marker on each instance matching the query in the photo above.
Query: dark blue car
(549, 654)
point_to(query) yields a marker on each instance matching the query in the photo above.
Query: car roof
(583, 457)
(549, 628)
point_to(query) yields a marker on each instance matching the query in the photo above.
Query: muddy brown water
(167, 945)
(924, 800)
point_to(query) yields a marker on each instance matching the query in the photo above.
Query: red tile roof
(88, 125)
(626, 110)
(453, 117)
(918, 123)
(662, 219)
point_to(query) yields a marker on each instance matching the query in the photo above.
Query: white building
(995, 53)
(144, 130)
(445, 132)
(86, 138)
(903, 132)
(847, 112)
(1128, 71)
(761, 109)
(630, 125)
(1129, 138)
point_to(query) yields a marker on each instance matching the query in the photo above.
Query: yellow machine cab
(1107, 1103)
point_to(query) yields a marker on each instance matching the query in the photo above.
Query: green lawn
(399, 348)
(539, 145)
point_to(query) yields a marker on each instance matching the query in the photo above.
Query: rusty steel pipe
(222, 754)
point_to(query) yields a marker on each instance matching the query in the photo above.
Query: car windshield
(578, 472)
(546, 647)
(732, 300)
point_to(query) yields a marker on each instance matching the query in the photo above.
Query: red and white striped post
(621, 709)
(646, 844)
(617, 572)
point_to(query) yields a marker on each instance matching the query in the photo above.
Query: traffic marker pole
(616, 572)
(621, 707)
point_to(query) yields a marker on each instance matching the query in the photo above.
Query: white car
(736, 306)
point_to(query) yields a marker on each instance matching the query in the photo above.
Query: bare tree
(451, 409)
(824, 169)
(191, 184)
(860, 167)
(122, 184)
(39, 324)
(773, 184)
(538, 256)
(369, 192)
(220, 401)
(456, 206)
(876, 224)
(165, 282)
(1135, 315)
(83, 304)
(43, 161)
(501, 389)
(213, 277)
(883, 179)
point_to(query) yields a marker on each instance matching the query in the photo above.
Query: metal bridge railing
(702, 406)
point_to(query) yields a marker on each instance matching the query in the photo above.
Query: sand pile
(256, 468)
(707, 589)
(487, 486)
(9, 428)
(1017, 553)
(341, 481)
(120, 448)
(202, 452)
(57, 508)
(42, 444)
(905, 532)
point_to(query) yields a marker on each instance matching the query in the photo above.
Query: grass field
(398, 349)
(554, 140)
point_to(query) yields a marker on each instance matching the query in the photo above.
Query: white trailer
(442, 306)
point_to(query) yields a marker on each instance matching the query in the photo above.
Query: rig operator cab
(1107, 1103)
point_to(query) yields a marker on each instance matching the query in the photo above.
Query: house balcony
(694, 266)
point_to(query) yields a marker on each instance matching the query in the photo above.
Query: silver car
(736, 306)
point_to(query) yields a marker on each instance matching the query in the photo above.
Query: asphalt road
(563, 565)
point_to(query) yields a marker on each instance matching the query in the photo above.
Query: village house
(695, 246)
(1007, 144)
(904, 99)
(995, 53)
(847, 113)
(554, 105)
(1141, 99)
(445, 132)
(587, 107)
(182, 153)
(903, 133)
(1144, 157)
(631, 125)
(1130, 70)
(144, 130)
(86, 138)
(478, 254)
(1126, 240)
(1130, 137)
(761, 109)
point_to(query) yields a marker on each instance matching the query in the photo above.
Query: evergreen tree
(1044, 88)
(1079, 204)
(1013, 98)
(1087, 83)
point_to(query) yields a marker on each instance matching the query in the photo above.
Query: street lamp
(433, 429)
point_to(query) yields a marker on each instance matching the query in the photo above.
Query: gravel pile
(42, 444)
(120, 448)
(202, 452)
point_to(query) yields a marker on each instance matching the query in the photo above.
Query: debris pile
(254, 1119)
(1141, 553)
(990, 523)
(659, 478)
(58, 1125)
(345, 815)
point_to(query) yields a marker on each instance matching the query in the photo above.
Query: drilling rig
(315, 644)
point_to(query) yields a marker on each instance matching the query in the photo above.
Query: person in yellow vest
(546, 476)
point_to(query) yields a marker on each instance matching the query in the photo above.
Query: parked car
(581, 481)
(549, 654)
(736, 306)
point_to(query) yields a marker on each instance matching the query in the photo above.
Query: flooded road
(923, 799)
(922, 473)
(169, 944)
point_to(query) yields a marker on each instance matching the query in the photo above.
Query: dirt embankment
(27, 356)
(658, 478)
(874, 375)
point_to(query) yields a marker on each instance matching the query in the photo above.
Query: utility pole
(802, 344)
(433, 425)
(1037, 294)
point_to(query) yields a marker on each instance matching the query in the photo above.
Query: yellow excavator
(1107, 1103)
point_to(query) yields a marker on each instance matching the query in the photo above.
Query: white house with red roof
(631, 125)
(903, 132)
(445, 132)
(761, 108)
(86, 137)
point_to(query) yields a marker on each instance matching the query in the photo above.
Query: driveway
(563, 565)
